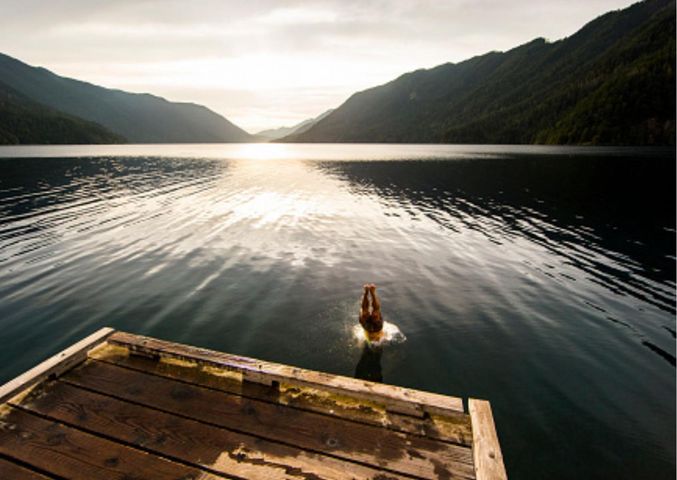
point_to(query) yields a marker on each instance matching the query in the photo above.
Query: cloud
(263, 63)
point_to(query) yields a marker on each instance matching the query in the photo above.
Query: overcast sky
(264, 63)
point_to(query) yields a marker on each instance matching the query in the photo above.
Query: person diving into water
(371, 321)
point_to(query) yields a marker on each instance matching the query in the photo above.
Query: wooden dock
(127, 407)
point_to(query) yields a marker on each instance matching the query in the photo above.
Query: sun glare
(263, 151)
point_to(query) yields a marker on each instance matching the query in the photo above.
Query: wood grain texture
(453, 427)
(212, 448)
(70, 453)
(486, 449)
(11, 471)
(54, 365)
(397, 399)
(369, 445)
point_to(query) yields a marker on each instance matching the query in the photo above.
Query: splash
(391, 335)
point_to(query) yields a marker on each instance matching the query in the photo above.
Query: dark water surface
(542, 279)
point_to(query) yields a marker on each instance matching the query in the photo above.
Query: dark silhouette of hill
(612, 82)
(141, 118)
(276, 133)
(23, 121)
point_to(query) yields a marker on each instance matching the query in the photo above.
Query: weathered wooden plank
(454, 428)
(486, 449)
(55, 365)
(318, 433)
(11, 471)
(70, 453)
(205, 446)
(397, 399)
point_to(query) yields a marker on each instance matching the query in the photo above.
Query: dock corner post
(487, 454)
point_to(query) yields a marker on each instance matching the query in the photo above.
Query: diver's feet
(366, 287)
(372, 287)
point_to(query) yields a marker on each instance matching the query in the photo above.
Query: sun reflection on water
(262, 151)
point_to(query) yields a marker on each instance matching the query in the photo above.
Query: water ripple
(511, 277)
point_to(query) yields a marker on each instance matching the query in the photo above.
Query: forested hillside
(141, 118)
(25, 122)
(612, 82)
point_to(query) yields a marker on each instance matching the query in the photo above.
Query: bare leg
(376, 307)
(364, 311)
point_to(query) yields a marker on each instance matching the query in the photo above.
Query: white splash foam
(391, 335)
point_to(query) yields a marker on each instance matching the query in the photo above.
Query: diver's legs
(364, 311)
(375, 303)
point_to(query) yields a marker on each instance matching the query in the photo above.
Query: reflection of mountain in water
(32, 184)
(41, 199)
(617, 224)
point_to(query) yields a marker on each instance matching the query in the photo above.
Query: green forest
(25, 122)
(611, 83)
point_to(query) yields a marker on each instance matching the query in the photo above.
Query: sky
(264, 64)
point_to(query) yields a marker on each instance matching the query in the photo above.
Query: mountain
(276, 133)
(25, 122)
(141, 118)
(612, 82)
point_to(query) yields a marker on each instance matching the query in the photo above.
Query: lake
(539, 278)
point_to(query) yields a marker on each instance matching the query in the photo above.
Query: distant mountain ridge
(276, 133)
(140, 118)
(612, 82)
(23, 122)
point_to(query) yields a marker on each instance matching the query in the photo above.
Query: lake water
(542, 279)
